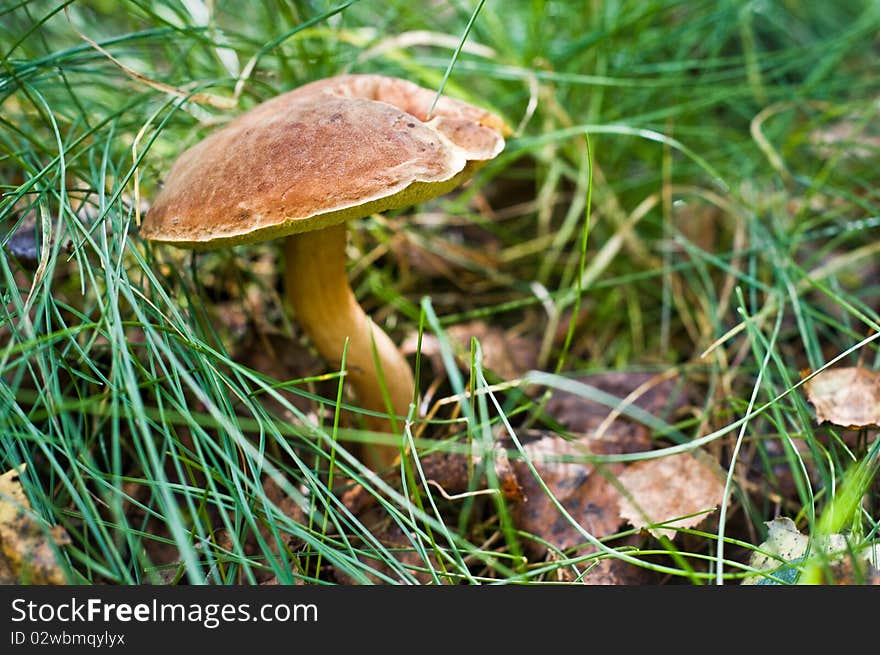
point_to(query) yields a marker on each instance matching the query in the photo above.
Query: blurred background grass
(677, 168)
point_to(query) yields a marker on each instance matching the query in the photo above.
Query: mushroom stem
(327, 310)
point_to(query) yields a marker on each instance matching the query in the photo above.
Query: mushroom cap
(328, 151)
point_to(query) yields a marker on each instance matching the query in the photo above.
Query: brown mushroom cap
(335, 149)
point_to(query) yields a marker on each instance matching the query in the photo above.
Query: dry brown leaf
(290, 508)
(585, 493)
(508, 481)
(680, 487)
(612, 571)
(846, 396)
(25, 544)
(159, 548)
(279, 357)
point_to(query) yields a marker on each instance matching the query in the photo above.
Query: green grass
(664, 204)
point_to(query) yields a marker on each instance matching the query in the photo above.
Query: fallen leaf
(289, 507)
(158, 544)
(507, 478)
(786, 546)
(675, 490)
(585, 494)
(279, 357)
(7, 575)
(505, 353)
(613, 571)
(585, 491)
(26, 544)
(846, 396)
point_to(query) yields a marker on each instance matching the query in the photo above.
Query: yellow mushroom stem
(325, 307)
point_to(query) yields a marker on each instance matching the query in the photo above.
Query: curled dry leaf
(676, 490)
(507, 478)
(846, 396)
(290, 508)
(26, 546)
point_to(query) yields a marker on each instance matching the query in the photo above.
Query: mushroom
(302, 164)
